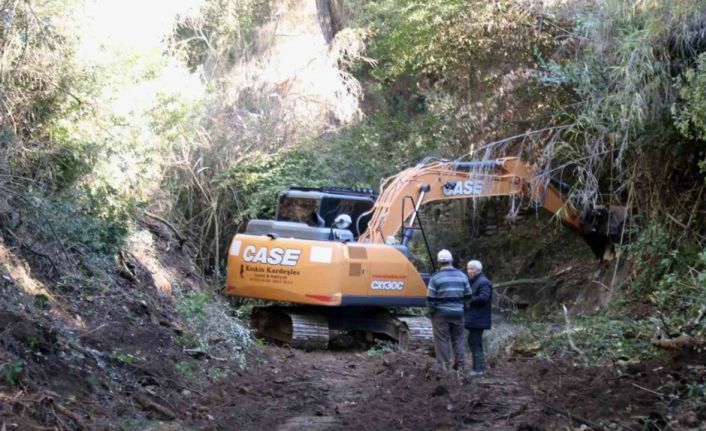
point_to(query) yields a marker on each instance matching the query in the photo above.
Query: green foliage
(140, 425)
(222, 33)
(670, 274)
(390, 141)
(33, 343)
(193, 305)
(690, 115)
(41, 302)
(188, 340)
(258, 180)
(447, 38)
(99, 228)
(690, 111)
(604, 338)
(696, 390)
(627, 56)
(125, 358)
(185, 369)
(379, 349)
(12, 370)
(35, 69)
(217, 373)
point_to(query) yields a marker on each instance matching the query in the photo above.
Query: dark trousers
(448, 332)
(475, 341)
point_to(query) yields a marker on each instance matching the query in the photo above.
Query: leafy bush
(221, 33)
(257, 181)
(192, 305)
(35, 75)
(445, 39)
(208, 319)
(690, 114)
(670, 274)
(626, 57)
(690, 111)
(380, 348)
(101, 231)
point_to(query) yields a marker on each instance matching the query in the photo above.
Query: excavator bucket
(603, 227)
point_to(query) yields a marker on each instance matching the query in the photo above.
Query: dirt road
(300, 390)
(355, 390)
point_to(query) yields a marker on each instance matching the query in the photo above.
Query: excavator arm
(402, 195)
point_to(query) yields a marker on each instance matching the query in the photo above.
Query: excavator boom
(404, 193)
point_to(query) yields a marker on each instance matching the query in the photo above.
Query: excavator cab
(319, 207)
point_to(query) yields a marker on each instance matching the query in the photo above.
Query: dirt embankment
(114, 345)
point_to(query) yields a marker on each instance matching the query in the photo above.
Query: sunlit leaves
(447, 39)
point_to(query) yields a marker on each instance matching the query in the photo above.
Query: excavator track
(301, 330)
(309, 329)
(419, 331)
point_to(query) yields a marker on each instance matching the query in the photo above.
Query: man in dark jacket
(477, 313)
(447, 291)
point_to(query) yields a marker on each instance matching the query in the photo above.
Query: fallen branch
(148, 404)
(124, 270)
(569, 330)
(696, 321)
(71, 415)
(664, 338)
(33, 251)
(579, 419)
(682, 342)
(178, 234)
(665, 325)
(520, 282)
(685, 227)
(201, 352)
(649, 390)
(180, 386)
(98, 328)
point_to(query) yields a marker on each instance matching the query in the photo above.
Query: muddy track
(354, 390)
(300, 390)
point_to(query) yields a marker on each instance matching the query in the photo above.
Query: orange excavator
(340, 255)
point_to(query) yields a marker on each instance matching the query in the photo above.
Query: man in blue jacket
(447, 291)
(477, 313)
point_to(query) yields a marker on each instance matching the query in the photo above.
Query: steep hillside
(111, 346)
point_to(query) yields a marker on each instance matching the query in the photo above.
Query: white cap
(444, 256)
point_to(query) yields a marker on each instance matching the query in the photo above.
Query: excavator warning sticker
(321, 254)
(235, 248)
